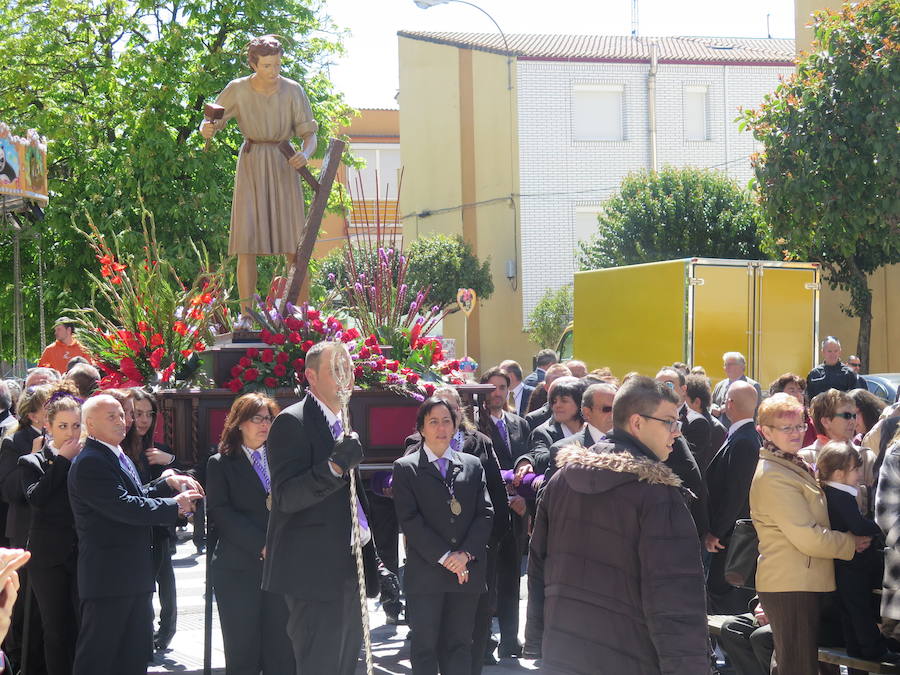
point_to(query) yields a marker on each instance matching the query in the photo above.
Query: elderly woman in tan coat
(797, 546)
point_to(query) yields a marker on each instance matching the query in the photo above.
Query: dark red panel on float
(216, 423)
(390, 425)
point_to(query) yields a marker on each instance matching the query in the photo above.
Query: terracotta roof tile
(620, 48)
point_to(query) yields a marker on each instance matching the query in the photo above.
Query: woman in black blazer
(443, 509)
(238, 502)
(51, 537)
(151, 459)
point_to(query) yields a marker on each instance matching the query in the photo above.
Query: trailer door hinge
(696, 281)
(813, 286)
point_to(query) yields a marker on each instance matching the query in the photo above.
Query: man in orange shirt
(65, 347)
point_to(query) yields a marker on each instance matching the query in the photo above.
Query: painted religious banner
(23, 168)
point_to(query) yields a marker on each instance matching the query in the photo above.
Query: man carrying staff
(267, 208)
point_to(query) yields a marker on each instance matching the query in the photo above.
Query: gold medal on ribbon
(269, 501)
(455, 506)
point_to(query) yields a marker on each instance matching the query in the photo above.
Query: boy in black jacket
(838, 467)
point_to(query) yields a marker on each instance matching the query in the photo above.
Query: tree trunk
(861, 300)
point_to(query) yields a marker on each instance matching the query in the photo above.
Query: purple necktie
(336, 429)
(442, 466)
(261, 471)
(504, 433)
(457, 441)
(129, 469)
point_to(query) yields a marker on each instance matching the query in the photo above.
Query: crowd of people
(619, 496)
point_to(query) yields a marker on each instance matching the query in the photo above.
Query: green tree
(675, 213)
(550, 316)
(446, 263)
(828, 172)
(118, 88)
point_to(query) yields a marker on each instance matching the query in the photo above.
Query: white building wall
(560, 176)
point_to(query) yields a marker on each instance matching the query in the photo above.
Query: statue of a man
(267, 209)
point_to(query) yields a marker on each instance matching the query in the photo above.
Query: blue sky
(367, 74)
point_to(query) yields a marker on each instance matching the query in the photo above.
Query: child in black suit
(838, 467)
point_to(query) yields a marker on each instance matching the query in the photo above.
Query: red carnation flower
(295, 337)
(299, 365)
(236, 371)
(429, 389)
(282, 357)
(156, 340)
(252, 352)
(364, 353)
(371, 341)
(308, 345)
(358, 372)
(250, 374)
(292, 323)
(199, 346)
(352, 333)
(279, 339)
(245, 362)
(234, 385)
(270, 382)
(312, 314)
(317, 326)
(267, 356)
(280, 369)
(412, 378)
(392, 365)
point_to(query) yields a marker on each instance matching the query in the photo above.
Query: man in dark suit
(695, 429)
(509, 436)
(309, 558)
(542, 360)
(519, 392)
(114, 516)
(698, 398)
(728, 477)
(539, 415)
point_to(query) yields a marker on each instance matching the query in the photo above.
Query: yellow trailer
(641, 317)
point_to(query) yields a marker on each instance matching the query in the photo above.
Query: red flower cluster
(110, 269)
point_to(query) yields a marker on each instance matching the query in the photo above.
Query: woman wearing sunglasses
(797, 546)
(833, 414)
(238, 502)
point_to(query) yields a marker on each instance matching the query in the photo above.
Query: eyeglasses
(796, 429)
(846, 415)
(674, 425)
(261, 419)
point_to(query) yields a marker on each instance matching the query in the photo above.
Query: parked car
(884, 385)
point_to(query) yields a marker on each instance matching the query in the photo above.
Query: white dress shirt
(737, 425)
(849, 489)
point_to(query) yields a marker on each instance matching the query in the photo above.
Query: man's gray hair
(5, 396)
(587, 398)
(736, 356)
(93, 402)
(831, 339)
(52, 373)
(314, 355)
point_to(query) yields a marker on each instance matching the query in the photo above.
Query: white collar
(736, 425)
(497, 418)
(117, 450)
(262, 452)
(330, 416)
(565, 430)
(448, 454)
(517, 390)
(596, 434)
(849, 489)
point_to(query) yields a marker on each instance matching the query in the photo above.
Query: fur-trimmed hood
(606, 466)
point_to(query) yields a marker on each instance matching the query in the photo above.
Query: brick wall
(559, 176)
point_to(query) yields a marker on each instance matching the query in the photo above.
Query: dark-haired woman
(51, 537)
(237, 498)
(444, 510)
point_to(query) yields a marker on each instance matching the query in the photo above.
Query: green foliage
(442, 262)
(118, 88)
(828, 172)
(447, 264)
(675, 213)
(550, 316)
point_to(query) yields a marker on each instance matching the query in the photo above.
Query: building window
(695, 113)
(586, 223)
(598, 112)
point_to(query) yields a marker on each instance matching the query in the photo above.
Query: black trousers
(254, 624)
(509, 576)
(116, 635)
(860, 608)
(165, 583)
(484, 613)
(794, 617)
(440, 627)
(14, 645)
(385, 530)
(326, 635)
(56, 592)
(748, 645)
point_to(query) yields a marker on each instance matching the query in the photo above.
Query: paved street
(390, 650)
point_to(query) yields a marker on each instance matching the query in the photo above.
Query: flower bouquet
(153, 325)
